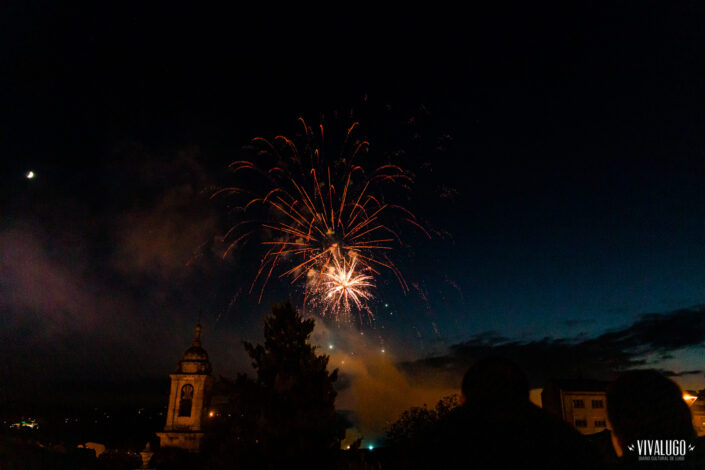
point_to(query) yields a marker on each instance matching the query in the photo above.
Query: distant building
(580, 402)
(191, 387)
(697, 409)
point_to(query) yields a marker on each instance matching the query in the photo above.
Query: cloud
(161, 241)
(35, 283)
(172, 224)
(603, 356)
(670, 373)
(55, 319)
(64, 316)
(579, 322)
(661, 332)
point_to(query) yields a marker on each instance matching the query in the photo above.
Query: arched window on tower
(186, 400)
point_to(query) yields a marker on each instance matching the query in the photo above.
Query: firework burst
(343, 285)
(328, 221)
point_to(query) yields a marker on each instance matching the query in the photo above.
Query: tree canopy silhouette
(415, 424)
(294, 396)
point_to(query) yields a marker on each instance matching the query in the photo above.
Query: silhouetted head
(495, 380)
(643, 404)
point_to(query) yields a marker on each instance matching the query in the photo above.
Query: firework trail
(327, 223)
(230, 305)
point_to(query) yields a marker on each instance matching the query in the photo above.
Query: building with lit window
(580, 402)
(189, 399)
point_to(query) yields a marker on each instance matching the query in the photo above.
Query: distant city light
(382, 351)
(371, 447)
(28, 423)
(330, 346)
(211, 414)
(30, 175)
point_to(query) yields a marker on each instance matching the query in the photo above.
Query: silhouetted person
(648, 417)
(498, 427)
(494, 381)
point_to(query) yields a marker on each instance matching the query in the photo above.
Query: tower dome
(195, 359)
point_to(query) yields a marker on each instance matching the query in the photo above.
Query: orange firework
(323, 219)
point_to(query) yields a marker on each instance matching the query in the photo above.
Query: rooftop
(579, 385)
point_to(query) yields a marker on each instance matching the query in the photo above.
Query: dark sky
(559, 150)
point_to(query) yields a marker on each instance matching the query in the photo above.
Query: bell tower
(191, 386)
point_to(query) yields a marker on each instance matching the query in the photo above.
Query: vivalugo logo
(661, 449)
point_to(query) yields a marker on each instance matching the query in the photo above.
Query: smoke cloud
(372, 387)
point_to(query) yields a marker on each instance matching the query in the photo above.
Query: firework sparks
(324, 219)
(343, 284)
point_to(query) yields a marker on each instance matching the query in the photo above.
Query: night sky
(559, 155)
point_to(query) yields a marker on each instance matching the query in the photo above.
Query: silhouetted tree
(417, 422)
(292, 398)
